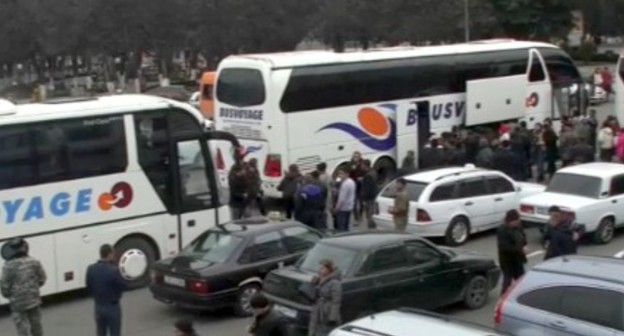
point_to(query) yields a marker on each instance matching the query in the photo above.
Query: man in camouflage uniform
(22, 276)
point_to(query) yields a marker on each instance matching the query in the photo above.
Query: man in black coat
(511, 242)
(267, 322)
(508, 162)
(368, 193)
(561, 235)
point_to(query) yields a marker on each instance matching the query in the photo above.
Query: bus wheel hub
(133, 264)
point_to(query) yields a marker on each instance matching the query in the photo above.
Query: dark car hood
(290, 284)
(187, 265)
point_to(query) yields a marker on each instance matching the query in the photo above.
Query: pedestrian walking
(606, 142)
(266, 321)
(237, 179)
(368, 193)
(345, 201)
(561, 235)
(254, 186)
(184, 327)
(327, 299)
(22, 276)
(511, 242)
(105, 284)
(400, 209)
(288, 186)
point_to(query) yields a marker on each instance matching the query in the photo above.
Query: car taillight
(527, 208)
(220, 163)
(197, 286)
(498, 310)
(422, 216)
(273, 165)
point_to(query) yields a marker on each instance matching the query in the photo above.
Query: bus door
(495, 99)
(538, 92)
(197, 190)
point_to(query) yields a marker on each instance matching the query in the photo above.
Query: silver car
(566, 296)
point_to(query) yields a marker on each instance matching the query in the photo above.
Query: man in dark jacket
(511, 242)
(310, 201)
(368, 193)
(105, 284)
(561, 235)
(509, 162)
(581, 152)
(289, 186)
(254, 186)
(266, 322)
(431, 156)
(237, 180)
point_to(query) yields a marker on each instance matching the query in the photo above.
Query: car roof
(253, 226)
(599, 268)
(429, 176)
(394, 323)
(596, 169)
(365, 240)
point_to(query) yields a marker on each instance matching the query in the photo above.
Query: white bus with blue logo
(321, 106)
(131, 171)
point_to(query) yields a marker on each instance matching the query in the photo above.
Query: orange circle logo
(373, 121)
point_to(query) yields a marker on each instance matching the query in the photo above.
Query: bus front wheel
(136, 257)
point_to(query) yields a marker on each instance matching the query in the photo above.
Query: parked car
(566, 296)
(455, 202)
(382, 271)
(592, 193)
(225, 265)
(393, 323)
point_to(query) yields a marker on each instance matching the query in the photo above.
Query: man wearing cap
(22, 276)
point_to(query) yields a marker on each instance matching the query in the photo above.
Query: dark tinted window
(546, 299)
(414, 190)
(443, 192)
(298, 239)
(472, 188)
(599, 306)
(61, 150)
(537, 72)
(268, 245)
(574, 184)
(240, 87)
(477, 66)
(421, 253)
(388, 258)
(560, 67)
(617, 185)
(500, 185)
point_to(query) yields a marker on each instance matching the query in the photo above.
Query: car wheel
(605, 231)
(136, 258)
(458, 231)
(242, 307)
(477, 292)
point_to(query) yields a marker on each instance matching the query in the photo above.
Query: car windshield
(213, 246)
(343, 258)
(575, 184)
(414, 189)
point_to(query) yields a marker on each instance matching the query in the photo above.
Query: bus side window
(194, 184)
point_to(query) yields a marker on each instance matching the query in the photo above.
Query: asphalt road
(71, 314)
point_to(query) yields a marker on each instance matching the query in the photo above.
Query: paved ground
(71, 314)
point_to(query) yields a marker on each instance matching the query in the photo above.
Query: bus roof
(96, 106)
(309, 58)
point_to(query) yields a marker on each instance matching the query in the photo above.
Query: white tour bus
(76, 175)
(321, 106)
(618, 87)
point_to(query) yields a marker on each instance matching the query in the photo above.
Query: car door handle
(558, 324)
(614, 201)
(468, 203)
(498, 199)
(191, 223)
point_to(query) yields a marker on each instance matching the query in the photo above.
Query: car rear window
(575, 184)
(213, 246)
(343, 258)
(414, 190)
(241, 87)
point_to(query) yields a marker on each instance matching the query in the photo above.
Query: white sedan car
(592, 193)
(455, 202)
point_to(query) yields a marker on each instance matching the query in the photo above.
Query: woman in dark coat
(511, 242)
(325, 314)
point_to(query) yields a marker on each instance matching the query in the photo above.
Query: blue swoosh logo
(364, 138)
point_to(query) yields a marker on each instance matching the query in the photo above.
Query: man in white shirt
(345, 202)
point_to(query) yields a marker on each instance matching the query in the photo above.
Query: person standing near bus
(401, 206)
(289, 186)
(22, 276)
(345, 202)
(105, 284)
(254, 187)
(326, 180)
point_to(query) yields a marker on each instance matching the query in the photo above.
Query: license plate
(542, 211)
(288, 312)
(174, 281)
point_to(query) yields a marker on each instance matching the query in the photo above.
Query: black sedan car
(225, 265)
(384, 271)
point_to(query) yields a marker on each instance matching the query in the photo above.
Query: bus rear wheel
(136, 258)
